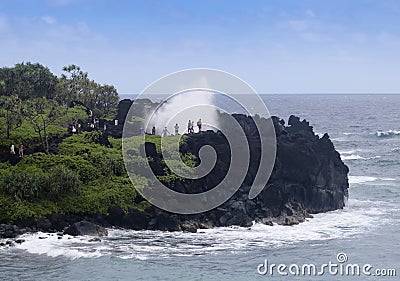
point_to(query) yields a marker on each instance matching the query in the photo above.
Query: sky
(277, 46)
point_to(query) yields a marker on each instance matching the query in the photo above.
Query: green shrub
(26, 183)
(84, 168)
(101, 195)
(62, 181)
(23, 184)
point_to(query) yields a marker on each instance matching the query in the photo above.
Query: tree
(75, 86)
(42, 113)
(28, 81)
(107, 98)
(11, 110)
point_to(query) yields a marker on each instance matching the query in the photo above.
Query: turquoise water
(365, 129)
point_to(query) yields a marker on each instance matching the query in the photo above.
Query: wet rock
(115, 215)
(206, 225)
(86, 228)
(224, 219)
(9, 231)
(59, 221)
(166, 222)
(266, 221)
(136, 220)
(10, 243)
(44, 225)
(95, 240)
(189, 227)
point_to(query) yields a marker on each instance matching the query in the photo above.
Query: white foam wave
(352, 157)
(387, 133)
(346, 151)
(364, 179)
(358, 217)
(361, 179)
(388, 179)
(358, 157)
(70, 247)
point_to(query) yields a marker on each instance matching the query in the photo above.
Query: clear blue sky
(338, 46)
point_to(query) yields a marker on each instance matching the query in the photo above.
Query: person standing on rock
(96, 123)
(12, 149)
(21, 150)
(165, 132)
(192, 128)
(199, 124)
(189, 125)
(176, 129)
(153, 130)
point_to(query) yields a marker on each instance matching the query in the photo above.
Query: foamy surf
(358, 157)
(352, 157)
(388, 133)
(71, 247)
(357, 218)
(365, 179)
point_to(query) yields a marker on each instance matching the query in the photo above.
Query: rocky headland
(308, 178)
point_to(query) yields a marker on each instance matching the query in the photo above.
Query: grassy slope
(83, 177)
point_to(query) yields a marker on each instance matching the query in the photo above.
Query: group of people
(94, 123)
(165, 132)
(75, 127)
(190, 128)
(21, 149)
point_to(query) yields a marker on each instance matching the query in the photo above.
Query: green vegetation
(63, 172)
(84, 177)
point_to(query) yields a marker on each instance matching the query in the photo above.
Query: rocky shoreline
(308, 177)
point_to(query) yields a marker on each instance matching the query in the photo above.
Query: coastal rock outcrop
(308, 177)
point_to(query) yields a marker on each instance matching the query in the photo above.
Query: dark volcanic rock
(58, 221)
(308, 177)
(10, 231)
(189, 226)
(115, 215)
(166, 222)
(136, 220)
(86, 228)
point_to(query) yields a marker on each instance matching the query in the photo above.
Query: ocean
(365, 129)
